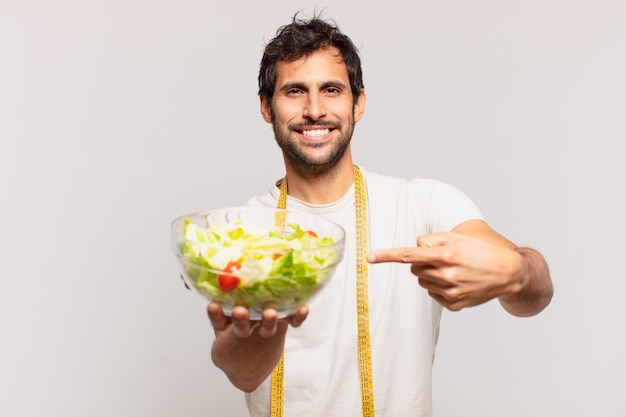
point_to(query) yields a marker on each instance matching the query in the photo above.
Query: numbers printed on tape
(362, 302)
(278, 374)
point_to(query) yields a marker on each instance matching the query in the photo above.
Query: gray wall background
(117, 116)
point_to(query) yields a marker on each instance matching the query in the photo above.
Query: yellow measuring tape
(362, 305)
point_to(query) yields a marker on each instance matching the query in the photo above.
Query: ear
(266, 110)
(359, 106)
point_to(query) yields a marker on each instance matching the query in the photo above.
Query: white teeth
(315, 133)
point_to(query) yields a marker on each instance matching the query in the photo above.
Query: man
(335, 363)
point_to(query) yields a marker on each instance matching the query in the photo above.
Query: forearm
(247, 362)
(534, 290)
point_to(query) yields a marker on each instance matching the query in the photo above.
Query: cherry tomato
(311, 233)
(226, 281)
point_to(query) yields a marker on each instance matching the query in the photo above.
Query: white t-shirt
(321, 366)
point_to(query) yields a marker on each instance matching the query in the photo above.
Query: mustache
(314, 124)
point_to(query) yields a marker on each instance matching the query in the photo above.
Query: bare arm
(247, 351)
(474, 264)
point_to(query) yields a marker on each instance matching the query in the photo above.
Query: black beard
(306, 166)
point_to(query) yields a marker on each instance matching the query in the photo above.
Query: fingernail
(371, 258)
(184, 282)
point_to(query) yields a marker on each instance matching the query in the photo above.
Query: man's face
(312, 110)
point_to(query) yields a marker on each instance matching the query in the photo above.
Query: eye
(333, 91)
(293, 91)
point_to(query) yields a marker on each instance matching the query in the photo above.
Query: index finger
(406, 255)
(218, 320)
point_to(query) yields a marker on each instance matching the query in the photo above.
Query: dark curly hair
(300, 38)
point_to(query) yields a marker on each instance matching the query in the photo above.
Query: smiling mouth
(313, 133)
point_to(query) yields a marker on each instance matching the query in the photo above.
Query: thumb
(434, 240)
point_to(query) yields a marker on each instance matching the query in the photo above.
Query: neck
(321, 188)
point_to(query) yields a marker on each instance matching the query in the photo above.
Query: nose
(314, 108)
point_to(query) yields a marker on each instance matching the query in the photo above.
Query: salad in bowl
(257, 257)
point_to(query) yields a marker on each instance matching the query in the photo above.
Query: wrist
(518, 274)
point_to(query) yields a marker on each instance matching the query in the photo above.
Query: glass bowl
(257, 257)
